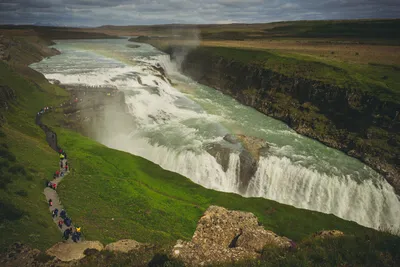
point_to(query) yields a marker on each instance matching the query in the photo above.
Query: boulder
(193, 255)
(256, 239)
(328, 234)
(73, 251)
(124, 245)
(224, 236)
(230, 138)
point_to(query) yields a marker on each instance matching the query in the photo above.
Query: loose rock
(73, 251)
(124, 245)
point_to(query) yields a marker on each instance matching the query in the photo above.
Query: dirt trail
(50, 193)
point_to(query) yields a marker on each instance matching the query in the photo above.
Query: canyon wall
(349, 119)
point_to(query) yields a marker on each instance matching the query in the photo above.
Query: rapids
(175, 120)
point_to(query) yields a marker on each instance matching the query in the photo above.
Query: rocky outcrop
(224, 236)
(7, 95)
(221, 153)
(255, 146)
(124, 245)
(349, 119)
(248, 148)
(20, 255)
(5, 44)
(73, 251)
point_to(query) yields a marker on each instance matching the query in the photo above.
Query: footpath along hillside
(60, 218)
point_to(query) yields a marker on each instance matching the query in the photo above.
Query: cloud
(130, 12)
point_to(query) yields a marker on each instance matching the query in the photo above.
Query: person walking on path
(63, 214)
(60, 223)
(66, 234)
(50, 202)
(55, 213)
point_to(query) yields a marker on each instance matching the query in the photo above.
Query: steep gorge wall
(351, 120)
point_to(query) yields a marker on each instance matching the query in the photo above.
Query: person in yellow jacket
(78, 229)
(61, 156)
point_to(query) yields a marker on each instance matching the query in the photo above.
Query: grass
(354, 53)
(115, 195)
(368, 250)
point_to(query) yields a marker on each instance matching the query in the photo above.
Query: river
(176, 120)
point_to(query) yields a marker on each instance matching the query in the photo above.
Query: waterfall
(366, 203)
(173, 128)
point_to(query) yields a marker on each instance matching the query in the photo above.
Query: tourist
(67, 232)
(75, 237)
(60, 223)
(66, 166)
(58, 173)
(50, 202)
(56, 212)
(67, 221)
(54, 186)
(63, 214)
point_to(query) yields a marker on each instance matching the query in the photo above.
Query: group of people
(74, 233)
(43, 110)
(61, 218)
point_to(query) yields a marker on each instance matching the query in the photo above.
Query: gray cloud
(129, 12)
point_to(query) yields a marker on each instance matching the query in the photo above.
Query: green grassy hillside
(26, 162)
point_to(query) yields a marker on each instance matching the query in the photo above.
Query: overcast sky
(131, 12)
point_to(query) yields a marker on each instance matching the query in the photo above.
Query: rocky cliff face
(347, 119)
(7, 95)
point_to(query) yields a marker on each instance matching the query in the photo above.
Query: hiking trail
(51, 138)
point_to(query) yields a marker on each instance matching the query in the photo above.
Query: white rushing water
(175, 123)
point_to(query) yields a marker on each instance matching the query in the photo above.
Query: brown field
(352, 53)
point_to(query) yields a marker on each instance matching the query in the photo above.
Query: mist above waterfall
(188, 39)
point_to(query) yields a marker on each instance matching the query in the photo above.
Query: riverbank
(317, 100)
